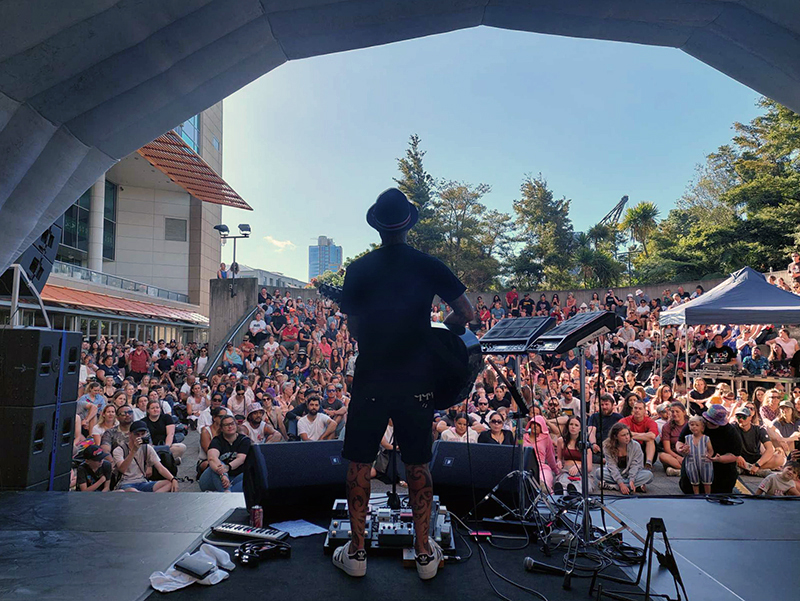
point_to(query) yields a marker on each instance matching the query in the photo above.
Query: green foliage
(334, 278)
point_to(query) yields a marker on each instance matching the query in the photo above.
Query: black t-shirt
(526, 304)
(611, 302)
(278, 320)
(228, 451)
(608, 422)
(164, 365)
(495, 403)
(720, 355)
(487, 438)
(543, 305)
(794, 363)
(87, 476)
(696, 406)
(724, 439)
(158, 428)
(391, 290)
(751, 442)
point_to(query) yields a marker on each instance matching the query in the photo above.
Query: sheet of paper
(298, 528)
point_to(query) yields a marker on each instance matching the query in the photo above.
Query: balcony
(82, 274)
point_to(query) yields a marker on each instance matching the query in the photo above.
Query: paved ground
(661, 485)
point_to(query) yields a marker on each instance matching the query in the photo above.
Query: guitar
(456, 347)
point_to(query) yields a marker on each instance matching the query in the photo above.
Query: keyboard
(269, 534)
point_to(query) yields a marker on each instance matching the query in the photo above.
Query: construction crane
(614, 214)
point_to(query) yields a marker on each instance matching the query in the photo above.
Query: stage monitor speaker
(457, 467)
(295, 473)
(30, 366)
(37, 260)
(26, 444)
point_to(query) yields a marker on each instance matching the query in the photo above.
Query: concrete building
(270, 279)
(325, 256)
(138, 248)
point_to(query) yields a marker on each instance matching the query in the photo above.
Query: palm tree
(640, 222)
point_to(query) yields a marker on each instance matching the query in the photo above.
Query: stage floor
(57, 546)
(725, 552)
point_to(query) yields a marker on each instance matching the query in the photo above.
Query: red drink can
(256, 516)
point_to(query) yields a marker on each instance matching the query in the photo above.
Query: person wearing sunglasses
(496, 434)
(118, 435)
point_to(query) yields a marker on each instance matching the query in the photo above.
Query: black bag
(168, 461)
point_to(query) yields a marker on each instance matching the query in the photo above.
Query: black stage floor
(69, 545)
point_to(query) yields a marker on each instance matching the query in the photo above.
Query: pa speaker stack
(37, 425)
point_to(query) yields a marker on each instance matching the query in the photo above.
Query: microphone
(531, 565)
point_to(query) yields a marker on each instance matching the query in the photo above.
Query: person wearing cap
(612, 301)
(94, 473)
(727, 445)
(753, 461)
(256, 429)
(135, 458)
(785, 429)
(570, 404)
(526, 304)
(387, 296)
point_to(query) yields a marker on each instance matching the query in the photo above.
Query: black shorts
(367, 418)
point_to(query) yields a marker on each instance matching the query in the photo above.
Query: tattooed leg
(358, 488)
(420, 491)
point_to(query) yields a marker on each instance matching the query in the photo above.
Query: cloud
(280, 245)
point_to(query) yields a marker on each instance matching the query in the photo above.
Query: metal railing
(83, 274)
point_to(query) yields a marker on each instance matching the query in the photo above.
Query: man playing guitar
(387, 297)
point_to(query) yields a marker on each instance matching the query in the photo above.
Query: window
(189, 130)
(76, 224)
(110, 222)
(215, 143)
(175, 229)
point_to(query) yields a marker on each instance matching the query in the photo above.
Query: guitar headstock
(331, 292)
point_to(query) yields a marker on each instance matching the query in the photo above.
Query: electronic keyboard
(269, 534)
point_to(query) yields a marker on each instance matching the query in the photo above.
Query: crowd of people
(289, 380)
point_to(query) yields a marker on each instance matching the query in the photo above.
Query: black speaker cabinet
(30, 366)
(26, 444)
(37, 260)
(458, 467)
(295, 473)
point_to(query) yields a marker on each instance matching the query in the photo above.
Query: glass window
(215, 142)
(110, 222)
(189, 130)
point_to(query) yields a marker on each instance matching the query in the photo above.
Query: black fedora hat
(392, 212)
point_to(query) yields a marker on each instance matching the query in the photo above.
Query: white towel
(172, 579)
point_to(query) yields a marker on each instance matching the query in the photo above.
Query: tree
(545, 232)
(420, 188)
(640, 221)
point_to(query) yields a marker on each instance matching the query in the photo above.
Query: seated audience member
(460, 432)
(769, 407)
(256, 429)
(785, 430)
(783, 483)
(669, 457)
(570, 460)
(538, 437)
(727, 447)
(698, 396)
(140, 407)
(480, 417)
(116, 436)
(758, 453)
(315, 425)
(334, 408)
(606, 418)
(570, 405)
(89, 407)
(162, 431)
(623, 468)
(495, 434)
(226, 454)
(207, 434)
(205, 418)
(108, 419)
(643, 430)
(135, 458)
(94, 473)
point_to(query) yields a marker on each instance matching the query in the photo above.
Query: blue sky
(311, 144)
